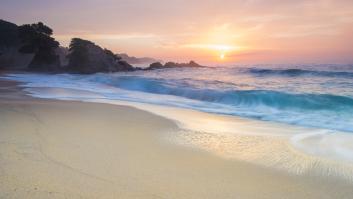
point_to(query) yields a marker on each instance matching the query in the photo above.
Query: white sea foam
(268, 103)
(297, 150)
(314, 133)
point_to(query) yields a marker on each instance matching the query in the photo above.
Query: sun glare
(219, 49)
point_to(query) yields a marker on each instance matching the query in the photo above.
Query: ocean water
(319, 96)
(296, 118)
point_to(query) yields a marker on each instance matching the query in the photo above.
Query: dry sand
(62, 149)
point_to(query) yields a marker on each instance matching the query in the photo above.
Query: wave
(329, 111)
(246, 98)
(299, 72)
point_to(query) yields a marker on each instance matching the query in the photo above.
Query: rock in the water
(158, 65)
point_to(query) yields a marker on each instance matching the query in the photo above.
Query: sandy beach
(66, 149)
(155, 99)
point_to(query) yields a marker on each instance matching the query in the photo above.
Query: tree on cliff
(36, 38)
(86, 57)
(78, 54)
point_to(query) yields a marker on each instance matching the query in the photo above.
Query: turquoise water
(318, 96)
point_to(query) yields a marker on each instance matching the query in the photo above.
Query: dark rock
(194, 64)
(36, 38)
(10, 58)
(158, 65)
(86, 57)
(124, 66)
(32, 47)
(170, 65)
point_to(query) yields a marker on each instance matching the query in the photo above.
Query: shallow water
(319, 96)
(300, 122)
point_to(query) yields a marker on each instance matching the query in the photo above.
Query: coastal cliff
(31, 47)
(10, 57)
(86, 57)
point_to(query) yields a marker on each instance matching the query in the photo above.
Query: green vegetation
(83, 56)
(86, 57)
(36, 38)
(78, 54)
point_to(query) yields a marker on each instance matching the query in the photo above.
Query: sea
(310, 95)
(297, 118)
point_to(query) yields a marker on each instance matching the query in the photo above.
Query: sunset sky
(208, 31)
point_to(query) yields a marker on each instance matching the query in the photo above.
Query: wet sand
(65, 149)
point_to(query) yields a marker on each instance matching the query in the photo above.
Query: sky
(217, 32)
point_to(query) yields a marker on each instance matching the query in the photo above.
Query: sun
(222, 56)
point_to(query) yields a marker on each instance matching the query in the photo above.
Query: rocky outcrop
(10, 57)
(86, 57)
(32, 47)
(158, 65)
(37, 39)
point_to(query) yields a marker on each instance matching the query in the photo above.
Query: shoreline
(57, 149)
(283, 147)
